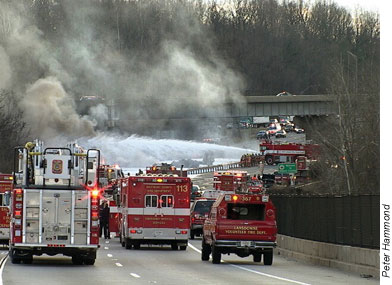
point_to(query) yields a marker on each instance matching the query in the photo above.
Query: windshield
(245, 211)
(203, 207)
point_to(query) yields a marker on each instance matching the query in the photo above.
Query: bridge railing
(213, 168)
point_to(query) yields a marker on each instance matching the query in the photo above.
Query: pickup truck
(243, 224)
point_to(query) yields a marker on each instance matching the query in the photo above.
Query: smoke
(5, 69)
(77, 53)
(49, 111)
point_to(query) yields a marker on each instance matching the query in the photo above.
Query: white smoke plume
(49, 111)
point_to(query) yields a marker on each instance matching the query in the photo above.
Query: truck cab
(243, 224)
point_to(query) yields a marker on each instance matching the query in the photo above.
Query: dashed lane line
(106, 247)
(134, 275)
(118, 264)
(110, 255)
(254, 271)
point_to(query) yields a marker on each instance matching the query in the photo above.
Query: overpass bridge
(245, 106)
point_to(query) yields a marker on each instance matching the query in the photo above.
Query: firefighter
(104, 220)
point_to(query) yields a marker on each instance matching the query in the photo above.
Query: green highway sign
(287, 168)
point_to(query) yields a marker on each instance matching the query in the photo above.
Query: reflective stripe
(284, 152)
(178, 211)
(114, 210)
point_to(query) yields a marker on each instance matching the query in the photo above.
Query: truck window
(203, 207)
(245, 212)
(167, 201)
(151, 201)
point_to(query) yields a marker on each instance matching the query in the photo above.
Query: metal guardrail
(213, 168)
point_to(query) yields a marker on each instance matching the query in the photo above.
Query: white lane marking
(106, 247)
(118, 264)
(254, 271)
(134, 275)
(110, 255)
(3, 261)
(107, 241)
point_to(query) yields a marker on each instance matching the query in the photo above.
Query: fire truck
(55, 203)
(6, 181)
(276, 152)
(230, 180)
(155, 210)
(240, 223)
(166, 168)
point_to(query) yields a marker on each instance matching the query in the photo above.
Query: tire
(269, 160)
(192, 234)
(182, 247)
(257, 257)
(136, 245)
(216, 255)
(268, 258)
(28, 260)
(205, 251)
(128, 244)
(174, 246)
(89, 261)
(14, 259)
(77, 260)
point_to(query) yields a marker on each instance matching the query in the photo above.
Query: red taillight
(132, 231)
(18, 214)
(95, 193)
(18, 191)
(193, 219)
(184, 232)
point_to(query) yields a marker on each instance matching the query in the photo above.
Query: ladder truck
(55, 203)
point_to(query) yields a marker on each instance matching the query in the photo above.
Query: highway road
(161, 265)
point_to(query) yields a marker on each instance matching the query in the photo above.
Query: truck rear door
(56, 216)
(245, 221)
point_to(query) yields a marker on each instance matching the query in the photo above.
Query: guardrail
(213, 168)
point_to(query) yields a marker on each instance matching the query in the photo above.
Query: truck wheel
(136, 245)
(269, 160)
(89, 261)
(182, 247)
(257, 257)
(77, 260)
(268, 257)
(28, 259)
(205, 251)
(128, 244)
(216, 255)
(14, 258)
(192, 234)
(174, 246)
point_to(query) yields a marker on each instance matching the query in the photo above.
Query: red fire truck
(155, 210)
(230, 180)
(166, 168)
(276, 152)
(55, 203)
(6, 181)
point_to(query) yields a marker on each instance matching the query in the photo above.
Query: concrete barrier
(213, 168)
(354, 259)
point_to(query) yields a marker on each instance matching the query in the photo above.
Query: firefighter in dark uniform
(104, 220)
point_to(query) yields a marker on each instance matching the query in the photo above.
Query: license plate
(246, 243)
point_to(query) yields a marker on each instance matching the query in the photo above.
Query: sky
(371, 5)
